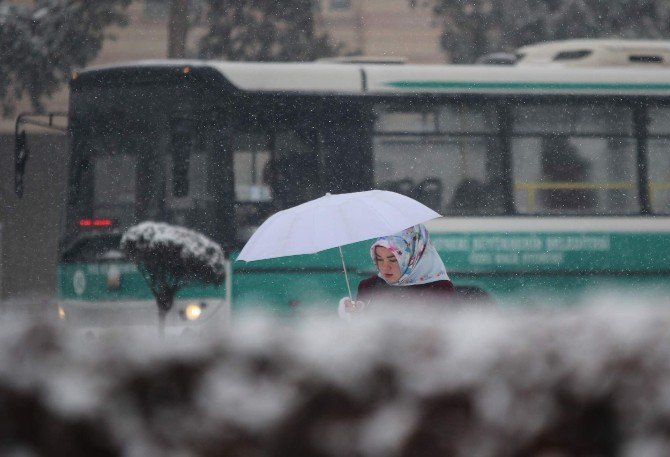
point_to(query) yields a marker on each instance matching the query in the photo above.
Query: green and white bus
(553, 181)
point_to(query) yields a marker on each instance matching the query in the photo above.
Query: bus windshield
(132, 171)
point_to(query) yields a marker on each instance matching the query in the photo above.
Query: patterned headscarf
(417, 258)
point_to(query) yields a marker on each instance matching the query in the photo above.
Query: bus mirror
(20, 159)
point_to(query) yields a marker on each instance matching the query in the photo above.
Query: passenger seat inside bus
(469, 197)
(429, 191)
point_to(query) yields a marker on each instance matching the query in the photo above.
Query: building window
(156, 9)
(340, 4)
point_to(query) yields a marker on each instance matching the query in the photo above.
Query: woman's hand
(347, 307)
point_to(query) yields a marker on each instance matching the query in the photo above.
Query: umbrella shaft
(346, 277)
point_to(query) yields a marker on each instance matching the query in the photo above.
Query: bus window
(467, 119)
(272, 172)
(295, 164)
(114, 193)
(115, 165)
(574, 159)
(180, 159)
(186, 193)
(252, 154)
(252, 194)
(658, 159)
(446, 156)
(568, 119)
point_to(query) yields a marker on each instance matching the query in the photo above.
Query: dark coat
(375, 289)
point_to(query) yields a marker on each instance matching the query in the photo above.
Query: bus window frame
(500, 104)
(632, 103)
(650, 136)
(504, 104)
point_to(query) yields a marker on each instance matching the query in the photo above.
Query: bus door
(198, 191)
(298, 150)
(273, 170)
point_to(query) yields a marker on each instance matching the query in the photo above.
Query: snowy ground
(589, 381)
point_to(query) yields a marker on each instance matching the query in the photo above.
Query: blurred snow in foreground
(594, 380)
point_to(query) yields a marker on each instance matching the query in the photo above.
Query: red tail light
(95, 222)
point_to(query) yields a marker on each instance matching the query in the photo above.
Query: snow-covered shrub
(468, 383)
(169, 257)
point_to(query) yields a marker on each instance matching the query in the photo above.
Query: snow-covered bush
(169, 257)
(467, 383)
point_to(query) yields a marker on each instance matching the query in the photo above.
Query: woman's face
(387, 264)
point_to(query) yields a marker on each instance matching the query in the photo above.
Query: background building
(383, 28)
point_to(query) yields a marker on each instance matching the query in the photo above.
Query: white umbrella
(333, 221)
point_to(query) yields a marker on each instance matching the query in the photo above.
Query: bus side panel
(116, 282)
(556, 267)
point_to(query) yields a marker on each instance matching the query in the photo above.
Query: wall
(31, 225)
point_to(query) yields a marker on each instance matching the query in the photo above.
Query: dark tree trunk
(177, 29)
(164, 301)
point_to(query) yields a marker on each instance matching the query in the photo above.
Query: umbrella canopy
(332, 221)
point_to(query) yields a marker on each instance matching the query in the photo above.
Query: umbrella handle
(346, 277)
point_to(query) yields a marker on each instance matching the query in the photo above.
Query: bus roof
(602, 52)
(355, 79)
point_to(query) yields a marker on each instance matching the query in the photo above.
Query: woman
(409, 270)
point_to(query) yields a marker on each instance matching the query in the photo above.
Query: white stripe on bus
(549, 224)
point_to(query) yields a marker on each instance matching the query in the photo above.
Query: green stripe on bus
(524, 85)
